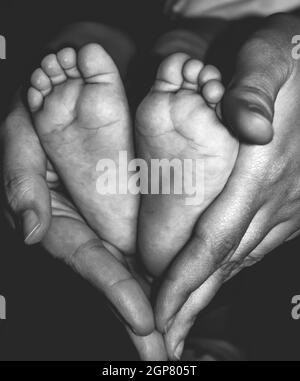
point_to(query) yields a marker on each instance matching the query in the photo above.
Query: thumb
(28, 198)
(23, 176)
(264, 65)
(151, 347)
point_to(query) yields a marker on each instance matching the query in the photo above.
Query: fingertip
(34, 226)
(29, 203)
(251, 122)
(258, 131)
(139, 315)
(178, 351)
(151, 347)
(143, 327)
(132, 306)
(36, 236)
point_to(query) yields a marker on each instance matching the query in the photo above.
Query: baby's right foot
(81, 115)
(178, 120)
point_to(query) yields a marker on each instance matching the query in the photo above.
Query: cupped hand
(35, 201)
(259, 209)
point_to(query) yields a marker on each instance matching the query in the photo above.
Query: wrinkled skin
(259, 208)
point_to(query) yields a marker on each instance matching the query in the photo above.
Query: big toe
(170, 73)
(95, 63)
(249, 111)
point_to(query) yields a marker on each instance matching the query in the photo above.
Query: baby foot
(81, 115)
(178, 119)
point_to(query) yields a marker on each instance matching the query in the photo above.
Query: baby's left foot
(178, 120)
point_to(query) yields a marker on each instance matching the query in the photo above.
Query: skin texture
(32, 187)
(228, 9)
(24, 178)
(65, 235)
(259, 207)
(178, 120)
(81, 115)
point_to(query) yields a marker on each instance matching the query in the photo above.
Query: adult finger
(23, 175)
(71, 240)
(216, 237)
(201, 297)
(263, 66)
(185, 318)
(151, 347)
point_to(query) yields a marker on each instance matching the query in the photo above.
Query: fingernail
(30, 224)
(179, 350)
(169, 324)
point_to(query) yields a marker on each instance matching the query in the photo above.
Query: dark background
(54, 315)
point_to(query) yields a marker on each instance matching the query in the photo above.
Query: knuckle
(264, 172)
(204, 239)
(228, 268)
(228, 244)
(79, 258)
(252, 260)
(215, 244)
(265, 47)
(256, 43)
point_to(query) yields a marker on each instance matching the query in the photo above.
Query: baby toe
(35, 99)
(41, 81)
(170, 73)
(208, 73)
(213, 91)
(191, 71)
(52, 68)
(67, 58)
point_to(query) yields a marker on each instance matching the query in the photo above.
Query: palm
(70, 239)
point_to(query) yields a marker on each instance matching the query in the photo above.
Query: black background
(54, 315)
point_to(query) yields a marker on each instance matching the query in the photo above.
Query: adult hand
(259, 208)
(228, 9)
(46, 215)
